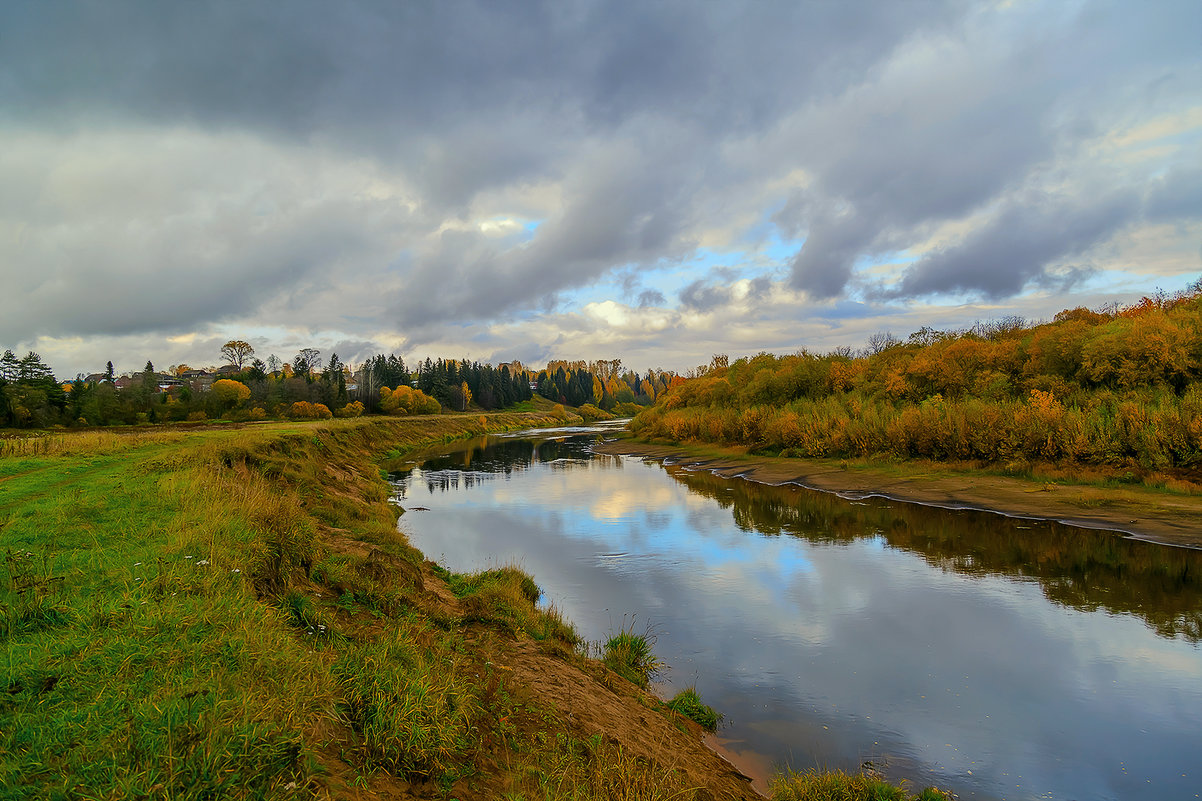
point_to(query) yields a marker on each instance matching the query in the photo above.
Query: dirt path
(1140, 513)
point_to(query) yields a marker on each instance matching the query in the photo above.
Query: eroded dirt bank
(1141, 513)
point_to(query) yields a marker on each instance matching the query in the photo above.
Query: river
(1000, 658)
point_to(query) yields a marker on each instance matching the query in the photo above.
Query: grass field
(230, 612)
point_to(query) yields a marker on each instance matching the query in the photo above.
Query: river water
(1000, 658)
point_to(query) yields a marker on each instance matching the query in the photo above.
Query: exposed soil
(1163, 517)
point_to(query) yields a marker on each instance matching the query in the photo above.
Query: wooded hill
(1119, 387)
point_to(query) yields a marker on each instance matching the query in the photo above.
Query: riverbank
(232, 611)
(1139, 512)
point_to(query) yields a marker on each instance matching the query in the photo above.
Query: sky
(651, 181)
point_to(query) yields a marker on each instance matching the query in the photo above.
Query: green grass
(632, 657)
(508, 598)
(688, 703)
(175, 623)
(419, 709)
(840, 786)
(129, 638)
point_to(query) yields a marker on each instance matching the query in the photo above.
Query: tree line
(1119, 386)
(602, 384)
(308, 386)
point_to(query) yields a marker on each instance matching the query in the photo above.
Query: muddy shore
(1141, 513)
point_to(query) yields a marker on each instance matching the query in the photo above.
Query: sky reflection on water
(1000, 658)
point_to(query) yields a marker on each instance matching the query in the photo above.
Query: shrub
(590, 412)
(303, 410)
(229, 392)
(407, 400)
(353, 409)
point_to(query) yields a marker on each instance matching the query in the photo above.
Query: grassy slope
(232, 613)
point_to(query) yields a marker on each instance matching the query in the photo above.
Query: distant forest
(247, 388)
(1121, 386)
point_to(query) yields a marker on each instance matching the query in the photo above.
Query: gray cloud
(702, 296)
(1014, 248)
(349, 153)
(708, 294)
(651, 297)
(894, 158)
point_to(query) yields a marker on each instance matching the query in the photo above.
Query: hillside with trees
(1118, 387)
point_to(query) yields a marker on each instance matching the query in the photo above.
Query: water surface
(1001, 658)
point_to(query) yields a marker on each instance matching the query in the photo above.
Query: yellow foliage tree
(230, 393)
(407, 400)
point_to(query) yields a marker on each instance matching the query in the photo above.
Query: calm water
(1000, 658)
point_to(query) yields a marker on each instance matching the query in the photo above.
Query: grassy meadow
(230, 612)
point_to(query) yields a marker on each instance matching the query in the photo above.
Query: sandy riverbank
(1163, 517)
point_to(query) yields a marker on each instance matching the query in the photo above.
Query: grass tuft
(688, 703)
(631, 656)
(508, 597)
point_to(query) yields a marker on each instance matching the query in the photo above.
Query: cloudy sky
(651, 181)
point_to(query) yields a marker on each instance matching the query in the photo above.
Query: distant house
(199, 380)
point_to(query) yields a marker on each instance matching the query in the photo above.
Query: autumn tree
(236, 352)
(229, 393)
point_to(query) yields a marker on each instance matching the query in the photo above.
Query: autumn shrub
(352, 409)
(590, 413)
(407, 400)
(1119, 388)
(303, 410)
(228, 392)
